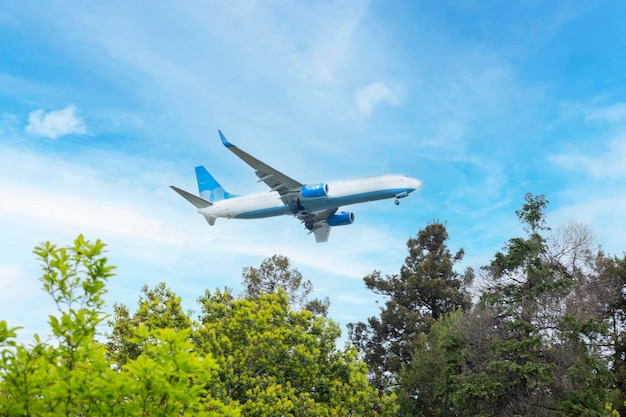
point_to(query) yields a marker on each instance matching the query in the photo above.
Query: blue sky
(104, 105)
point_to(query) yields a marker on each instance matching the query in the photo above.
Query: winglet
(224, 140)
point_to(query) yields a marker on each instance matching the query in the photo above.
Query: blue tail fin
(209, 188)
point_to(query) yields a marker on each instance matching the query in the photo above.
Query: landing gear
(403, 194)
(309, 224)
(295, 207)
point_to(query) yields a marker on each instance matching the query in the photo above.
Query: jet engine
(314, 191)
(341, 219)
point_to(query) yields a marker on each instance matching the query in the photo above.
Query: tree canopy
(535, 343)
(274, 274)
(242, 356)
(426, 288)
(73, 376)
(544, 336)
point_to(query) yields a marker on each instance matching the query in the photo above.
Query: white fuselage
(341, 193)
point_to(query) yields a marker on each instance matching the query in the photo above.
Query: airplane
(315, 205)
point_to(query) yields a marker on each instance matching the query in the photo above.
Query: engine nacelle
(341, 219)
(314, 191)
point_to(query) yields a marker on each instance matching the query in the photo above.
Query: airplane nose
(416, 184)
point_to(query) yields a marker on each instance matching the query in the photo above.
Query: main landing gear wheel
(397, 202)
(308, 224)
(295, 206)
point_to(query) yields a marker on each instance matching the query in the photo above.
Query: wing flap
(321, 233)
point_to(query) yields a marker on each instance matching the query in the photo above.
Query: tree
(419, 384)
(611, 282)
(276, 361)
(426, 289)
(276, 273)
(158, 308)
(538, 355)
(169, 378)
(259, 352)
(55, 379)
(73, 376)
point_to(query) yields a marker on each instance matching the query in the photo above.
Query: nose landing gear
(403, 194)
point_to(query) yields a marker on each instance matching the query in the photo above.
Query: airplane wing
(274, 179)
(316, 223)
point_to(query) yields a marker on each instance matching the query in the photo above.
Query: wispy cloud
(603, 211)
(472, 88)
(9, 125)
(596, 196)
(608, 164)
(329, 42)
(154, 235)
(603, 159)
(614, 113)
(593, 112)
(370, 96)
(56, 123)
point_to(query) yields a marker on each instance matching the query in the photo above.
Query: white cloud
(603, 211)
(606, 165)
(596, 198)
(8, 124)
(328, 42)
(55, 124)
(98, 216)
(374, 94)
(154, 235)
(593, 112)
(615, 113)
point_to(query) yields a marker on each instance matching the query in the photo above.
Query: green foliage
(542, 356)
(75, 278)
(426, 289)
(276, 274)
(73, 377)
(277, 361)
(21, 375)
(546, 339)
(613, 277)
(533, 345)
(264, 355)
(169, 378)
(159, 308)
(532, 213)
(420, 384)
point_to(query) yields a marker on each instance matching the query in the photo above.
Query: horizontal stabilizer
(193, 199)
